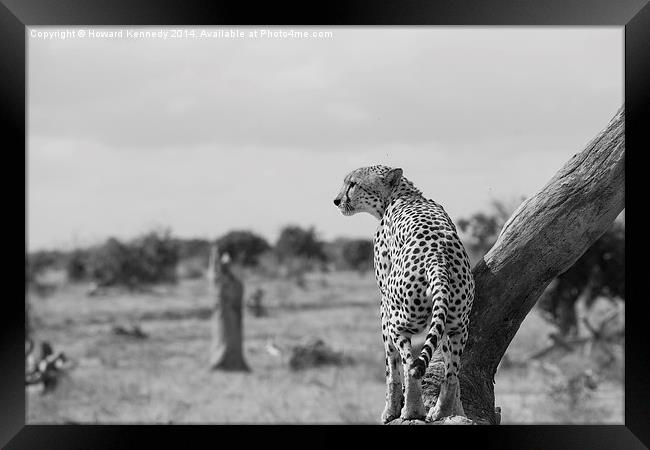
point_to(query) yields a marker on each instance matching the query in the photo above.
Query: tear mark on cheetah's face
(367, 190)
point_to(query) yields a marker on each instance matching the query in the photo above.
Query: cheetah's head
(366, 190)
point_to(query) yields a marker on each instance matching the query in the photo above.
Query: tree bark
(542, 239)
(227, 317)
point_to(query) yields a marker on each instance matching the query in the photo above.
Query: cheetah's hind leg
(413, 404)
(448, 403)
(394, 390)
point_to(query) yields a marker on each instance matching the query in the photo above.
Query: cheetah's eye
(352, 184)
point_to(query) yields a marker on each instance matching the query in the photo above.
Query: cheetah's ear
(393, 176)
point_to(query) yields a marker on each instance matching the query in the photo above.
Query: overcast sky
(209, 135)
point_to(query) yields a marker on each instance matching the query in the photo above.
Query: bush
(192, 268)
(244, 247)
(600, 271)
(350, 254)
(40, 261)
(193, 248)
(156, 256)
(77, 265)
(269, 265)
(481, 229)
(295, 242)
(110, 264)
(358, 254)
(315, 353)
(151, 258)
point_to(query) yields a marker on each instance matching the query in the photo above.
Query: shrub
(269, 265)
(151, 258)
(193, 248)
(600, 271)
(110, 264)
(38, 262)
(244, 247)
(295, 242)
(481, 229)
(192, 268)
(156, 256)
(77, 265)
(315, 353)
(350, 254)
(358, 254)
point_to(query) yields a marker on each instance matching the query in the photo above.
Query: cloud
(207, 136)
(381, 85)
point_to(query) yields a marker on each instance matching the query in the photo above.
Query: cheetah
(424, 277)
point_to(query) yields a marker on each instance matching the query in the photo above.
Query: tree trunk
(227, 318)
(542, 239)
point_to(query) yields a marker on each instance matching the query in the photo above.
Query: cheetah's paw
(387, 416)
(438, 412)
(413, 412)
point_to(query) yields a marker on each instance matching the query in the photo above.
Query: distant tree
(358, 254)
(156, 256)
(244, 247)
(39, 261)
(192, 257)
(77, 265)
(111, 263)
(482, 229)
(600, 271)
(193, 248)
(296, 242)
(150, 258)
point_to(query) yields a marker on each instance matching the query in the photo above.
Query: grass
(165, 378)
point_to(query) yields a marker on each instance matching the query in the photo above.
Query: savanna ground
(164, 378)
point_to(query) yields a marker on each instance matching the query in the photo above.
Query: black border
(15, 15)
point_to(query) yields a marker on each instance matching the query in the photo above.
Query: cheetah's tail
(438, 289)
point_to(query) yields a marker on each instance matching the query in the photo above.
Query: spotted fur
(424, 277)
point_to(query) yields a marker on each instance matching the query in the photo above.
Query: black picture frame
(634, 15)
